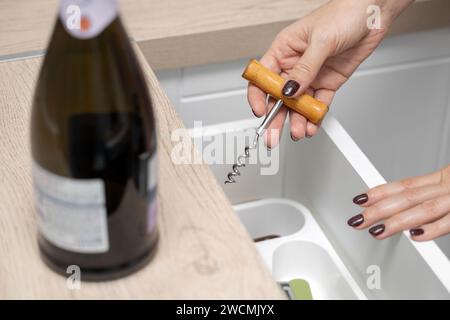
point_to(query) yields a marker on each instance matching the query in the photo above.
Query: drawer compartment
(303, 254)
(322, 175)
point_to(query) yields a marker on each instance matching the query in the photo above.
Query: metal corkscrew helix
(259, 131)
(272, 84)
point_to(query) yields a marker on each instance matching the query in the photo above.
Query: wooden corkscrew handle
(272, 84)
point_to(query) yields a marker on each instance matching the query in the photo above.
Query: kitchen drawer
(306, 205)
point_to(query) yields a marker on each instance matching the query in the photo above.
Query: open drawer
(303, 208)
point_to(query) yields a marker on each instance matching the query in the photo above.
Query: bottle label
(86, 19)
(71, 212)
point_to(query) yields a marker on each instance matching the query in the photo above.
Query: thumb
(305, 70)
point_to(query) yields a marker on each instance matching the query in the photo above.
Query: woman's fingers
(326, 96)
(298, 125)
(432, 230)
(420, 204)
(419, 215)
(395, 204)
(306, 69)
(311, 129)
(386, 190)
(257, 100)
(256, 97)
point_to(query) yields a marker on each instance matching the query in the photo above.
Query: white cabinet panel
(445, 154)
(397, 116)
(213, 78)
(215, 108)
(408, 48)
(170, 81)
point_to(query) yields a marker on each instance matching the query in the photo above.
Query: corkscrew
(272, 83)
(259, 131)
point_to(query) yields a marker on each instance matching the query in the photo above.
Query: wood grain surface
(204, 251)
(177, 33)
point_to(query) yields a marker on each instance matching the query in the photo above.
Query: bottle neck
(85, 19)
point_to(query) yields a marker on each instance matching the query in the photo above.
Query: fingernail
(264, 238)
(356, 220)
(256, 114)
(294, 139)
(290, 88)
(417, 232)
(361, 199)
(308, 136)
(377, 230)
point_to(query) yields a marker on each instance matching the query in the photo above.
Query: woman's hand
(420, 205)
(318, 54)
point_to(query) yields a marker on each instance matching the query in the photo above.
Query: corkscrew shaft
(270, 116)
(259, 132)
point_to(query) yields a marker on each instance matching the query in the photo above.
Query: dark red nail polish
(264, 238)
(356, 220)
(255, 114)
(290, 88)
(377, 230)
(417, 232)
(361, 199)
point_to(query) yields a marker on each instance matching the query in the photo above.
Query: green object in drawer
(300, 289)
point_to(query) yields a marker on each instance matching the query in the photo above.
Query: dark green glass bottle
(93, 147)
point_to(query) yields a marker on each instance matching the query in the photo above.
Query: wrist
(391, 9)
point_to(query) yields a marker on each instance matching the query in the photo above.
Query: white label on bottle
(71, 212)
(86, 19)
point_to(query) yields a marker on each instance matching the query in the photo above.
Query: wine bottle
(93, 147)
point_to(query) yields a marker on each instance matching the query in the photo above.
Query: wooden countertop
(204, 250)
(177, 33)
